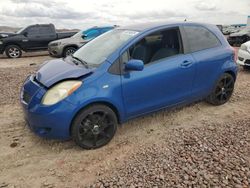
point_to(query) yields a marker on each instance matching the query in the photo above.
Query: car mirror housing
(25, 34)
(84, 36)
(134, 64)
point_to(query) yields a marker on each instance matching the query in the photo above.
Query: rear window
(200, 38)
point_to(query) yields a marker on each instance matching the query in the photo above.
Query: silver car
(67, 46)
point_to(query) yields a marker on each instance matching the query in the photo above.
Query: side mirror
(134, 64)
(25, 33)
(84, 36)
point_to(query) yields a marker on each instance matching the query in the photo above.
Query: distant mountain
(8, 29)
(14, 29)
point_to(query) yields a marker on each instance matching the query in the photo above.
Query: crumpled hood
(60, 69)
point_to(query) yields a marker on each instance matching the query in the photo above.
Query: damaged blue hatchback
(125, 73)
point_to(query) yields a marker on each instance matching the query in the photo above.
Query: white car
(244, 55)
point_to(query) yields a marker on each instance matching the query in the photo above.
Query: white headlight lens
(1, 42)
(60, 91)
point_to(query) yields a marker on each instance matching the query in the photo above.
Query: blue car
(126, 73)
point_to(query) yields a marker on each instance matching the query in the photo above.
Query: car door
(47, 34)
(162, 83)
(206, 49)
(33, 40)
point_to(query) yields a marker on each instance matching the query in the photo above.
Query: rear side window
(45, 30)
(199, 38)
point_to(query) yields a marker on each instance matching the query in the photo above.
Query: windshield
(21, 30)
(96, 51)
(78, 34)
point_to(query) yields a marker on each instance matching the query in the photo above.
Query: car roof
(101, 27)
(148, 26)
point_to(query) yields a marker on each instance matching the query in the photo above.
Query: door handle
(186, 64)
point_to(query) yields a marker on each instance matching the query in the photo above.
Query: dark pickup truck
(31, 38)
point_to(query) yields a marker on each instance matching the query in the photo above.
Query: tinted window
(46, 30)
(200, 38)
(92, 34)
(33, 31)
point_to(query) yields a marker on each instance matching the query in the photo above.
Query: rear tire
(13, 51)
(222, 91)
(69, 51)
(94, 126)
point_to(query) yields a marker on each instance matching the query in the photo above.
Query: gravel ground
(194, 146)
(211, 156)
(12, 78)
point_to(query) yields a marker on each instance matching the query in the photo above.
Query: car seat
(141, 52)
(170, 46)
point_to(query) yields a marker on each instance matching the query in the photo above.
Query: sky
(87, 13)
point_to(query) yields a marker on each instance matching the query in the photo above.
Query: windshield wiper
(81, 61)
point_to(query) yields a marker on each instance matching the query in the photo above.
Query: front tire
(94, 126)
(69, 51)
(13, 51)
(222, 91)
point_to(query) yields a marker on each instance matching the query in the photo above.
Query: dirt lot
(198, 145)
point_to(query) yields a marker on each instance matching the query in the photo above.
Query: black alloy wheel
(94, 127)
(223, 90)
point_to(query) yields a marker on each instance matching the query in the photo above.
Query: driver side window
(33, 31)
(158, 45)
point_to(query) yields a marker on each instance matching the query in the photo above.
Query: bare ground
(29, 161)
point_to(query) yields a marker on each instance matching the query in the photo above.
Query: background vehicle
(125, 73)
(227, 30)
(239, 37)
(65, 47)
(31, 38)
(244, 55)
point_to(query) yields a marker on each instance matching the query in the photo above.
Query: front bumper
(55, 51)
(243, 58)
(1, 49)
(46, 121)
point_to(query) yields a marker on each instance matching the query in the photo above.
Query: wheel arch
(232, 74)
(12, 43)
(110, 105)
(70, 45)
